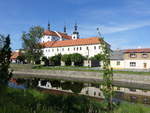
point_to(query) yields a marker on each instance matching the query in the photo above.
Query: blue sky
(123, 23)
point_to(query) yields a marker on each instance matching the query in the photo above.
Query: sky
(123, 23)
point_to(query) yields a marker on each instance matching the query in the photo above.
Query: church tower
(75, 34)
(48, 26)
(65, 29)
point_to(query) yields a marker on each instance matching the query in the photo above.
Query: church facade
(61, 43)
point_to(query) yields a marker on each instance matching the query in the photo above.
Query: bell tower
(75, 34)
(49, 26)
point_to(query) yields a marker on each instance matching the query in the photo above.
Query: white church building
(61, 43)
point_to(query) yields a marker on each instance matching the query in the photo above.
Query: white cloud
(89, 30)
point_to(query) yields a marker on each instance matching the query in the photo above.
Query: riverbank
(33, 101)
(73, 68)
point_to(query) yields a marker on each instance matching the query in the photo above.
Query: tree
(21, 58)
(56, 60)
(45, 60)
(31, 44)
(67, 59)
(107, 76)
(77, 59)
(5, 54)
(98, 57)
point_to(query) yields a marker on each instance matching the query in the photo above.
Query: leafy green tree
(98, 57)
(77, 59)
(67, 59)
(21, 58)
(45, 60)
(31, 44)
(107, 76)
(5, 54)
(56, 60)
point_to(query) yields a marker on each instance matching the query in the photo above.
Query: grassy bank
(32, 101)
(70, 68)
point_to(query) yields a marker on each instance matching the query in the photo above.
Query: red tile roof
(86, 41)
(142, 50)
(14, 55)
(52, 33)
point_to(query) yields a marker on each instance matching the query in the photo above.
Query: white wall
(114, 65)
(91, 51)
(139, 64)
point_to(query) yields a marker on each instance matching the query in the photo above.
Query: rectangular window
(68, 49)
(99, 47)
(57, 49)
(62, 49)
(74, 49)
(94, 47)
(52, 49)
(80, 48)
(132, 64)
(132, 55)
(77, 48)
(118, 63)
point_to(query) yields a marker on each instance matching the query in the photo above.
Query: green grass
(65, 68)
(33, 101)
(132, 108)
(69, 68)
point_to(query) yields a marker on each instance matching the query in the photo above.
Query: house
(117, 59)
(14, 56)
(137, 58)
(131, 59)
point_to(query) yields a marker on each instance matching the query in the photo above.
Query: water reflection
(88, 89)
(14, 84)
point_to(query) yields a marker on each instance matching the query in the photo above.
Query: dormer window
(133, 55)
(144, 55)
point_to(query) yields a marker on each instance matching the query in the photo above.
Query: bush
(67, 59)
(56, 60)
(45, 60)
(98, 57)
(21, 58)
(77, 59)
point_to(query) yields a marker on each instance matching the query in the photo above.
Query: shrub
(67, 59)
(77, 59)
(21, 58)
(56, 60)
(98, 57)
(45, 60)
